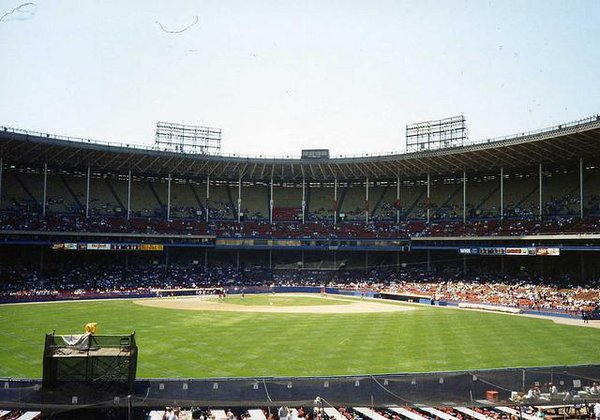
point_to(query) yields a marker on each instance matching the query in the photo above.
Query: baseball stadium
(456, 279)
(299, 210)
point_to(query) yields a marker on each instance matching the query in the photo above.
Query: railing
(466, 388)
(593, 118)
(73, 139)
(555, 128)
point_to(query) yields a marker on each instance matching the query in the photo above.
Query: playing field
(288, 335)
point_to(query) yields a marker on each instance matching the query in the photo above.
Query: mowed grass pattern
(180, 343)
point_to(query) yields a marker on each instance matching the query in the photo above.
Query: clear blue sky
(280, 75)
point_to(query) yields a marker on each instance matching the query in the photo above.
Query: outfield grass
(282, 300)
(176, 343)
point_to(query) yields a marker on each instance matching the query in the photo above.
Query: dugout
(404, 297)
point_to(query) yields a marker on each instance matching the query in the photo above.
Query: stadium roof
(565, 142)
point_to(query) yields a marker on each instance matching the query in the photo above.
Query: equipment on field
(99, 362)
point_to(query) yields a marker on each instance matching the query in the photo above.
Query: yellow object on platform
(91, 327)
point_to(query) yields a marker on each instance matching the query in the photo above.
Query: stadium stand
(511, 223)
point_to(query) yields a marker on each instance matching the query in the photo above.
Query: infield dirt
(210, 303)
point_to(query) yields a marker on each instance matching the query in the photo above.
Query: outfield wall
(464, 388)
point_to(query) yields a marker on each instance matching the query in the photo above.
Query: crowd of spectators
(567, 206)
(33, 221)
(522, 291)
(317, 412)
(521, 295)
(19, 280)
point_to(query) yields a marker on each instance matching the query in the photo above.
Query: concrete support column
(581, 187)
(207, 206)
(303, 200)
(335, 202)
(502, 193)
(367, 201)
(464, 196)
(87, 192)
(45, 189)
(398, 199)
(541, 211)
(129, 195)
(239, 201)
(428, 197)
(169, 197)
(271, 202)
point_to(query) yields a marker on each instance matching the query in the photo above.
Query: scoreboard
(86, 246)
(315, 154)
(523, 251)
